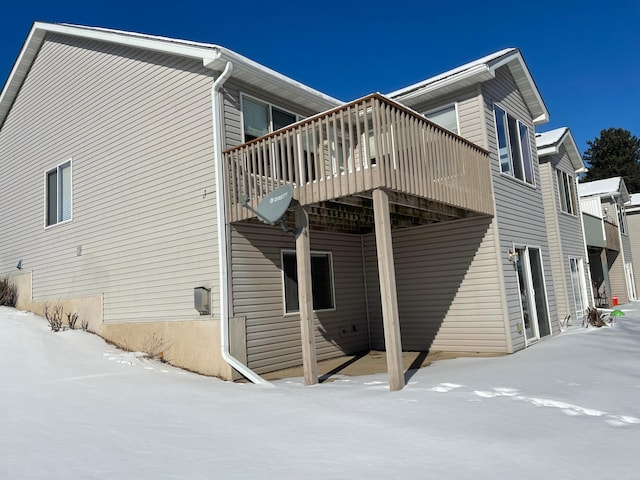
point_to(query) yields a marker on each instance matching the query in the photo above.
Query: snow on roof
(634, 199)
(605, 187)
(552, 137)
(549, 143)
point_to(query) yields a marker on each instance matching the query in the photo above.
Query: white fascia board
(540, 116)
(550, 150)
(37, 34)
(19, 71)
(206, 52)
(257, 70)
(574, 154)
(572, 149)
(212, 56)
(476, 74)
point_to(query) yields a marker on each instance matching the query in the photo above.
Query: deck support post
(305, 297)
(388, 293)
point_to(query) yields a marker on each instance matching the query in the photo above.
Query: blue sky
(583, 55)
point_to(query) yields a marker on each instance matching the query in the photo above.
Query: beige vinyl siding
(616, 259)
(633, 224)
(519, 206)
(469, 106)
(448, 288)
(273, 338)
(564, 232)
(137, 126)
(549, 186)
(616, 277)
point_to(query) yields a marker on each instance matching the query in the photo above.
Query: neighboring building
(130, 161)
(632, 210)
(560, 161)
(607, 237)
(495, 103)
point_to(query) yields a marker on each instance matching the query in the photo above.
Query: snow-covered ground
(74, 407)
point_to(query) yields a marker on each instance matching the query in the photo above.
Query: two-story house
(607, 238)
(560, 161)
(132, 201)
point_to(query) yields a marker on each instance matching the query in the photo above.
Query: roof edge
(480, 71)
(572, 149)
(212, 56)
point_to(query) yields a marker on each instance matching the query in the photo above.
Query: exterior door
(631, 283)
(579, 286)
(533, 296)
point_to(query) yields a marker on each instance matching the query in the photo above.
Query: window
(622, 219)
(567, 193)
(446, 117)
(260, 118)
(321, 279)
(514, 147)
(58, 196)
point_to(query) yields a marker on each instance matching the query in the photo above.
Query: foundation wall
(190, 344)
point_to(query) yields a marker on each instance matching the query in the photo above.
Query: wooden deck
(340, 156)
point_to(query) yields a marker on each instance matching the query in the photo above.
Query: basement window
(321, 279)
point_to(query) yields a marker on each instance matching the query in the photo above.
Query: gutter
(222, 231)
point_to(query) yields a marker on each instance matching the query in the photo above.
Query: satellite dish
(273, 207)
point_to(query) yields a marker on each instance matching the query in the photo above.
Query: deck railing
(369, 143)
(611, 239)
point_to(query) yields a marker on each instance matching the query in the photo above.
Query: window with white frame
(514, 146)
(567, 192)
(260, 118)
(58, 194)
(446, 117)
(622, 219)
(321, 279)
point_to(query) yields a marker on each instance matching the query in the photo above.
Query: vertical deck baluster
(342, 168)
(378, 138)
(353, 144)
(334, 157)
(432, 166)
(321, 162)
(417, 135)
(367, 163)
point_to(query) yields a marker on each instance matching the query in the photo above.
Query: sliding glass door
(533, 296)
(579, 286)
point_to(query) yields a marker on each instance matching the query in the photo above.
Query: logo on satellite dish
(278, 198)
(273, 207)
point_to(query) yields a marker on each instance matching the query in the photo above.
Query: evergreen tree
(615, 153)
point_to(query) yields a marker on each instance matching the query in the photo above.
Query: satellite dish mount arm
(244, 201)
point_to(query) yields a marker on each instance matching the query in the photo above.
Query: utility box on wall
(202, 300)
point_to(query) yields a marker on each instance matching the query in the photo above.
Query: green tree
(615, 153)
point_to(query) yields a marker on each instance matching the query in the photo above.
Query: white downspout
(222, 231)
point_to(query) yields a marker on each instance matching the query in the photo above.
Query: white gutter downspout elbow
(222, 231)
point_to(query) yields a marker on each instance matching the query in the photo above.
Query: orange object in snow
(615, 301)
